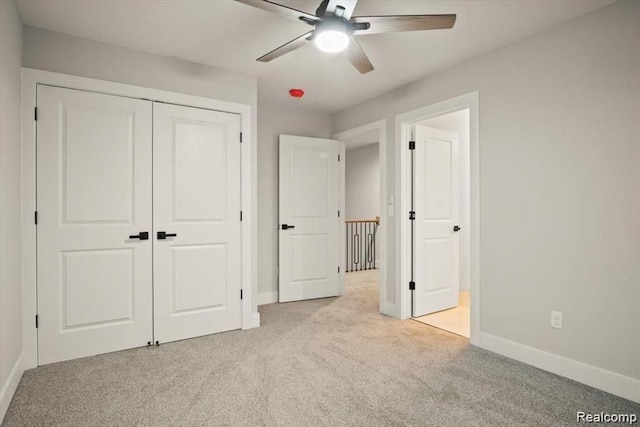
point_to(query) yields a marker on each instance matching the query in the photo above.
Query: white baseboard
(267, 298)
(9, 389)
(611, 382)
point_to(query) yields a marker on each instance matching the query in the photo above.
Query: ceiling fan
(335, 28)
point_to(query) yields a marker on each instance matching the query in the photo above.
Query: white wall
(62, 53)
(458, 123)
(10, 214)
(274, 120)
(559, 199)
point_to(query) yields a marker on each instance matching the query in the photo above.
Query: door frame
(386, 307)
(30, 79)
(404, 123)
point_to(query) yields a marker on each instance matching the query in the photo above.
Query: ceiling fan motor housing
(335, 28)
(333, 24)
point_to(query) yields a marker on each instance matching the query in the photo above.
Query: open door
(437, 212)
(309, 244)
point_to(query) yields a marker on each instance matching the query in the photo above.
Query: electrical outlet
(556, 319)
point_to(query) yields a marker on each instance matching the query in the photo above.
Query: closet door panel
(197, 230)
(94, 164)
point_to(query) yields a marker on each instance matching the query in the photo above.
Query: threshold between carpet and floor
(326, 362)
(456, 320)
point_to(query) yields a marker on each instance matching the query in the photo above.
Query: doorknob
(287, 226)
(456, 228)
(143, 235)
(163, 235)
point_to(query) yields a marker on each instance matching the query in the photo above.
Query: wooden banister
(352, 221)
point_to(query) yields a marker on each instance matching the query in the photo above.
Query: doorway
(441, 227)
(428, 273)
(362, 212)
(365, 221)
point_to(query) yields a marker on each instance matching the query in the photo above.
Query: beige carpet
(456, 320)
(327, 362)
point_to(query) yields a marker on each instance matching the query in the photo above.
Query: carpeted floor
(333, 361)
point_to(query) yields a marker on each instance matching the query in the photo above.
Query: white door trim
(31, 78)
(386, 307)
(404, 122)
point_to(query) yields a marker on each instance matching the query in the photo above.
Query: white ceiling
(231, 35)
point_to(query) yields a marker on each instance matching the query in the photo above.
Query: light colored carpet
(331, 362)
(456, 320)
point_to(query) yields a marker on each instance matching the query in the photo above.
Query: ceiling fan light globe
(332, 41)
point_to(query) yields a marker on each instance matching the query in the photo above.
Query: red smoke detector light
(296, 93)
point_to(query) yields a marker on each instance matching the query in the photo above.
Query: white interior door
(437, 212)
(94, 192)
(309, 223)
(196, 199)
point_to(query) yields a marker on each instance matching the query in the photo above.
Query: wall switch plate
(556, 319)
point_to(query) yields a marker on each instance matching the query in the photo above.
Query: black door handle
(163, 235)
(287, 226)
(456, 228)
(143, 235)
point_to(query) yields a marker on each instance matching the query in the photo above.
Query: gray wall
(458, 122)
(10, 212)
(362, 181)
(62, 53)
(559, 174)
(274, 120)
(362, 186)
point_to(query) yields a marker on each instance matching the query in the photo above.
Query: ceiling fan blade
(357, 57)
(339, 8)
(287, 47)
(398, 23)
(289, 12)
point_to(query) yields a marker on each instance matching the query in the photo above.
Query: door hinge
(412, 215)
(412, 286)
(240, 216)
(412, 145)
(240, 136)
(35, 217)
(35, 114)
(338, 213)
(240, 293)
(338, 157)
(36, 321)
(338, 269)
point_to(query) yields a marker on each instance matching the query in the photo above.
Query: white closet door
(94, 192)
(309, 243)
(437, 207)
(196, 198)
